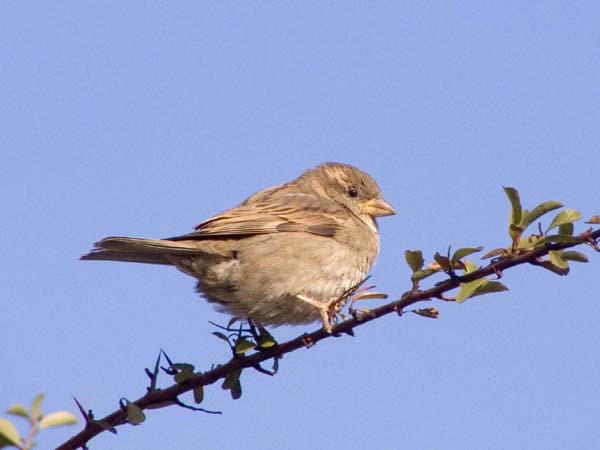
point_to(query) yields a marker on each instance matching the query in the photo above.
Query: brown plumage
(284, 255)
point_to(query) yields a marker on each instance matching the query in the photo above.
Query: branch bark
(169, 396)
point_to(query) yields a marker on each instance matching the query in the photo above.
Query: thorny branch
(164, 397)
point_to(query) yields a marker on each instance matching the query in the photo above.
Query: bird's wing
(288, 212)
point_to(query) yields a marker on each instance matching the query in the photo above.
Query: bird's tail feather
(149, 251)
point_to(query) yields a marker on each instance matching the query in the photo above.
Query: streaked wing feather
(290, 212)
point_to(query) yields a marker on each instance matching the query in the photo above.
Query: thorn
(87, 416)
(497, 271)
(166, 357)
(398, 310)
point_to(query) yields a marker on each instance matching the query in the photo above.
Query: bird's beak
(378, 207)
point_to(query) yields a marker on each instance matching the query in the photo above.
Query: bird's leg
(322, 308)
(336, 306)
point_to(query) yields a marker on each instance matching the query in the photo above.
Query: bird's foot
(323, 309)
(330, 312)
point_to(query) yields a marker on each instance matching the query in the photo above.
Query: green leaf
(491, 287)
(462, 252)
(199, 394)
(422, 274)
(243, 345)
(479, 287)
(18, 410)
(36, 410)
(566, 229)
(539, 211)
(552, 268)
(57, 419)
(135, 415)
(183, 367)
(571, 255)
(559, 239)
(265, 340)
(9, 433)
(184, 371)
(470, 266)
(4, 442)
(232, 383)
(236, 390)
(180, 377)
(230, 378)
(414, 259)
(515, 233)
(528, 242)
(515, 201)
(557, 259)
(566, 216)
(467, 290)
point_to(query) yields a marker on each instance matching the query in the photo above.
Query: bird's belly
(269, 271)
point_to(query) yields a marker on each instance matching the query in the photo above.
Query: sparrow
(284, 256)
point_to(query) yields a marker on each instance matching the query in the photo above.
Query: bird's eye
(352, 192)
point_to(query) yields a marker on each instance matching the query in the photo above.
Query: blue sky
(144, 118)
